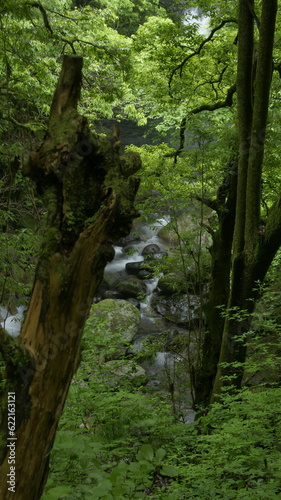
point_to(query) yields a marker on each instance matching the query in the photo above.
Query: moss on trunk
(90, 204)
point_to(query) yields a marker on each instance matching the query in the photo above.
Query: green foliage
(237, 454)
(119, 441)
(112, 435)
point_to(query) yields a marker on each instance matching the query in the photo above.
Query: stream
(162, 368)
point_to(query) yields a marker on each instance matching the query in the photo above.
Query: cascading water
(152, 324)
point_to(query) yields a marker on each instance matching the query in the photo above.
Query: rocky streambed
(162, 340)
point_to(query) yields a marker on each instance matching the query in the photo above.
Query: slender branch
(255, 17)
(213, 204)
(27, 126)
(217, 105)
(204, 107)
(85, 42)
(208, 229)
(61, 15)
(38, 5)
(212, 82)
(197, 52)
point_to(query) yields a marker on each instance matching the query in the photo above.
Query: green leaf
(169, 470)
(146, 452)
(58, 492)
(160, 454)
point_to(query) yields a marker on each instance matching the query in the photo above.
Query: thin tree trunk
(219, 289)
(90, 204)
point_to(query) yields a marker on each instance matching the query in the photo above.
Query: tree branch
(213, 204)
(38, 5)
(255, 17)
(197, 52)
(204, 107)
(217, 105)
(31, 126)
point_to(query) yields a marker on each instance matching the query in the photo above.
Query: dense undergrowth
(122, 440)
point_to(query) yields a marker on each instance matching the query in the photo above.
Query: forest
(140, 235)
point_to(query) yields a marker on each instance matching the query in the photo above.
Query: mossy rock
(172, 283)
(184, 223)
(133, 288)
(181, 309)
(119, 317)
(125, 370)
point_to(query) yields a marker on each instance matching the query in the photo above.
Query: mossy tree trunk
(251, 246)
(89, 192)
(224, 205)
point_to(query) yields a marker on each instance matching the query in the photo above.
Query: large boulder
(119, 321)
(151, 249)
(172, 283)
(140, 269)
(133, 287)
(120, 372)
(170, 232)
(179, 309)
(176, 282)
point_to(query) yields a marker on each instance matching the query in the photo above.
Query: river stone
(119, 316)
(169, 233)
(177, 283)
(151, 249)
(133, 287)
(176, 308)
(145, 274)
(139, 269)
(112, 294)
(126, 240)
(120, 371)
(134, 267)
(172, 283)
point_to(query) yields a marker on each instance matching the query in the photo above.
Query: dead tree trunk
(89, 192)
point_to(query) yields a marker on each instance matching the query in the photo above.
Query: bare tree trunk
(89, 192)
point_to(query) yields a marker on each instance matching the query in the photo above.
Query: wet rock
(131, 248)
(145, 274)
(133, 287)
(155, 257)
(151, 249)
(12, 308)
(139, 269)
(172, 283)
(134, 267)
(132, 237)
(179, 309)
(135, 302)
(111, 294)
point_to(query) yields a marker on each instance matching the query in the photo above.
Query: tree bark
(250, 264)
(219, 287)
(90, 204)
(244, 89)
